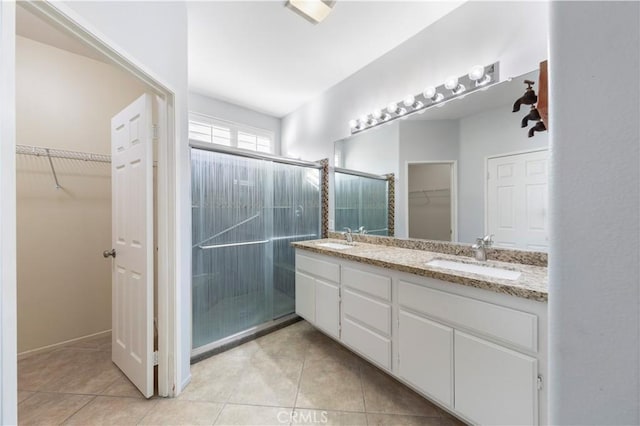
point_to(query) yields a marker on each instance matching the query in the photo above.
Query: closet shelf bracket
(53, 170)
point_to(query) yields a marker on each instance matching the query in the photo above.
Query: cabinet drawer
(373, 284)
(375, 314)
(368, 343)
(508, 325)
(320, 268)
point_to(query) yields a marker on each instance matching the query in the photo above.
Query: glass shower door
(296, 216)
(245, 213)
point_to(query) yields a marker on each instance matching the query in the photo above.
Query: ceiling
(261, 55)
(31, 26)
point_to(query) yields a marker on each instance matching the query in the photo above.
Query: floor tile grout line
(151, 407)
(79, 408)
(364, 399)
(224, 405)
(82, 394)
(304, 362)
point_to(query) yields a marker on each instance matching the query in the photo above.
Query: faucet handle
(488, 240)
(361, 230)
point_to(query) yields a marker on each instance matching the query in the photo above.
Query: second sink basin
(335, 246)
(488, 271)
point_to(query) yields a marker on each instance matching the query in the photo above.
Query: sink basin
(475, 269)
(335, 246)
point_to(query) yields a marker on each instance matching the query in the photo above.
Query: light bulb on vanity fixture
(477, 74)
(353, 124)
(432, 94)
(451, 83)
(410, 102)
(380, 115)
(393, 108)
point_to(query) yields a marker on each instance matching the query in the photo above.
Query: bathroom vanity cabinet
(477, 353)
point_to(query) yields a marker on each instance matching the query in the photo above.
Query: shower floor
(235, 314)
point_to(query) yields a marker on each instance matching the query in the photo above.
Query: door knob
(108, 253)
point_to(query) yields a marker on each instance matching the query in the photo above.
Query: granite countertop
(532, 283)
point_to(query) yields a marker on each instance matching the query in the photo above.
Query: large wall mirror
(463, 170)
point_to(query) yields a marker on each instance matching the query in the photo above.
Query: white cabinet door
(494, 385)
(327, 307)
(305, 297)
(373, 346)
(426, 356)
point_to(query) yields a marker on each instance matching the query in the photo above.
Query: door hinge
(155, 131)
(155, 358)
(488, 176)
(539, 382)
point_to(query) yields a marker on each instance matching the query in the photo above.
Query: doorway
(66, 96)
(432, 212)
(67, 93)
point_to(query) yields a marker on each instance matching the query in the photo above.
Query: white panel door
(517, 200)
(132, 238)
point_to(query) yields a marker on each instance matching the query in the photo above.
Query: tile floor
(294, 376)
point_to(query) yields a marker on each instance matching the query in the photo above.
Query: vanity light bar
(477, 78)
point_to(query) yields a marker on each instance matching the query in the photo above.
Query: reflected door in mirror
(517, 200)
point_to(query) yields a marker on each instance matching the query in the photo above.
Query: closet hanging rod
(60, 153)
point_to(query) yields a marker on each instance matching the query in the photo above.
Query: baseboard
(49, 348)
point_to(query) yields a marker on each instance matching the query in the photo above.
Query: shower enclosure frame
(257, 330)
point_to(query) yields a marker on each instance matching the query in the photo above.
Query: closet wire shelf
(59, 153)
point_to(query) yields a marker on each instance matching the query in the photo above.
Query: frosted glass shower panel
(244, 217)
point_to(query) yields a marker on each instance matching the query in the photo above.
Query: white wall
(154, 35)
(64, 101)
(362, 151)
(426, 140)
(237, 114)
(493, 132)
(514, 33)
(593, 261)
(8, 364)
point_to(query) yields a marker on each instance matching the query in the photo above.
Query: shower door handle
(108, 253)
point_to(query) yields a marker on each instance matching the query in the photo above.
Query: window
(213, 130)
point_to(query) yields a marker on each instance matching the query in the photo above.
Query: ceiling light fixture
(314, 11)
(478, 78)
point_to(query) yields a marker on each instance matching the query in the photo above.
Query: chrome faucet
(481, 246)
(362, 231)
(348, 234)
